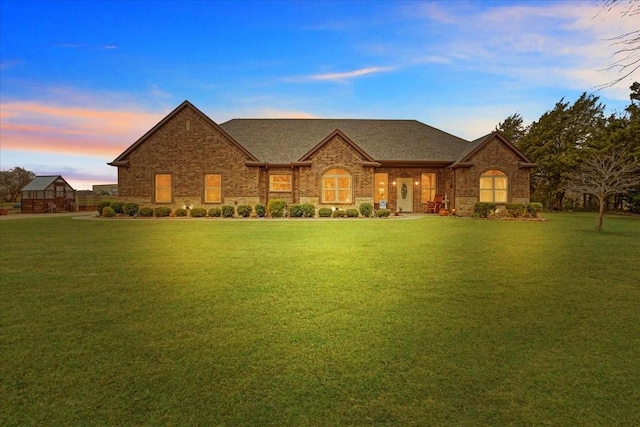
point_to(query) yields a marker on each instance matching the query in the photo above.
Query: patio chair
(434, 206)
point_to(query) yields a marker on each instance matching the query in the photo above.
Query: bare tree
(626, 57)
(606, 174)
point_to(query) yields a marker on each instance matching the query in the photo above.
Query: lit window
(493, 186)
(380, 187)
(428, 187)
(163, 188)
(279, 182)
(212, 188)
(336, 186)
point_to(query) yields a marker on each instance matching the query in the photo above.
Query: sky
(80, 81)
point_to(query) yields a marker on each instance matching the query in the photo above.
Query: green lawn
(435, 321)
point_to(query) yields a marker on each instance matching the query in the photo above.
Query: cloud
(42, 126)
(342, 76)
(561, 44)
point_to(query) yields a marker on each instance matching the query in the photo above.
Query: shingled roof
(288, 140)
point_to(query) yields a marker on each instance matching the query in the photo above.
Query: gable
(337, 135)
(467, 156)
(123, 159)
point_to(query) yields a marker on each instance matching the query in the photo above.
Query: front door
(405, 194)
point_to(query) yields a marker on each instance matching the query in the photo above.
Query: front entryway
(405, 194)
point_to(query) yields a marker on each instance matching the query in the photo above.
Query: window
(428, 187)
(336, 186)
(380, 187)
(279, 182)
(493, 186)
(163, 188)
(213, 188)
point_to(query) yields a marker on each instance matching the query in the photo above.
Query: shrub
(383, 213)
(352, 213)
(366, 210)
(117, 207)
(339, 213)
(533, 209)
(295, 210)
(244, 211)
(308, 210)
(276, 207)
(483, 209)
(145, 212)
(198, 212)
(215, 212)
(261, 210)
(162, 212)
(130, 209)
(516, 209)
(227, 211)
(324, 212)
(108, 212)
(101, 206)
(181, 212)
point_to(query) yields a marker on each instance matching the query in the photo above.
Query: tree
(12, 181)
(604, 174)
(512, 128)
(556, 141)
(627, 45)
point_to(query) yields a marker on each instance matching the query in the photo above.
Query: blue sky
(81, 81)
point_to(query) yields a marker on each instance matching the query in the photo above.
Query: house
(47, 194)
(188, 159)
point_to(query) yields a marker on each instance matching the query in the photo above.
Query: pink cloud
(45, 127)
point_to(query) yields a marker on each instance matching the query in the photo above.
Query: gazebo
(47, 194)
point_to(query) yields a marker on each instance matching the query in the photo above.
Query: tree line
(585, 159)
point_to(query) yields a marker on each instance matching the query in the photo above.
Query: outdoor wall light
(416, 182)
(394, 183)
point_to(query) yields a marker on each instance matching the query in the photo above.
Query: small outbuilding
(47, 194)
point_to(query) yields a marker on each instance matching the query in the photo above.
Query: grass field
(434, 321)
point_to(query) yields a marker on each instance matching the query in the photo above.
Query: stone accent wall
(494, 155)
(187, 152)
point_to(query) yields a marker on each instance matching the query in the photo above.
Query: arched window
(493, 186)
(336, 186)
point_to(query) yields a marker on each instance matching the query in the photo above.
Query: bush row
(275, 208)
(514, 210)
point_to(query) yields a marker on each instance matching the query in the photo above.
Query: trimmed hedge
(227, 211)
(198, 212)
(295, 210)
(324, 212)
(533, 209)
(366, 210)
(162, 212)
(352, 213)
(276, 207)
(483, 209)
(516, 209)
(215, 212)
(108, 212)
(339, 213)
(117, 207)
(100, 206)
(181, 212)
(244, 211)
(145, 212)
(383, 213)
(261, 210)
(130, 209)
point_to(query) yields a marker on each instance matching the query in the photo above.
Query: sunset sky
(81, 81)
